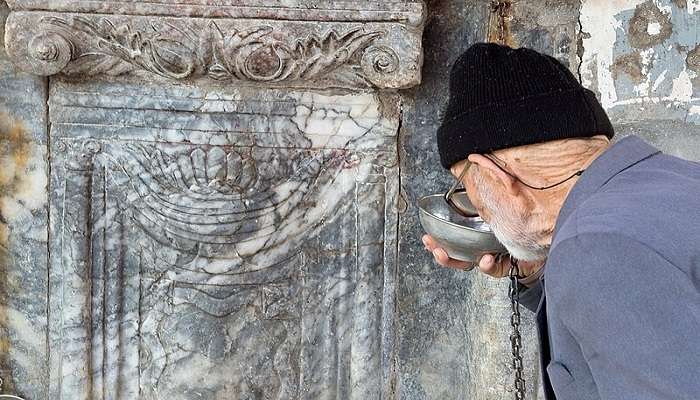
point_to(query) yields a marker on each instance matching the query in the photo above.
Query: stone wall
(641, 58)
(218, 202)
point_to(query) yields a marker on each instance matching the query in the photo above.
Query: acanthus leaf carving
(269, 52)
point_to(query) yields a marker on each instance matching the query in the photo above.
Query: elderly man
(613, 229)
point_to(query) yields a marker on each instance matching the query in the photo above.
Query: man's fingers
(490, 265)
(444, 259)
(428, 242)
(441, 256)
(487, 264)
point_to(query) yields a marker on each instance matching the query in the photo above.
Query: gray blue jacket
(618, 306)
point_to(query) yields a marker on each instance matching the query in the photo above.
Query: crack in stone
(579, 42)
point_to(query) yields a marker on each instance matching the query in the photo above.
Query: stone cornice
(334, 44)
(409, 12)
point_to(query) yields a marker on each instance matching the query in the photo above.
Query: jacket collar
(618, 157)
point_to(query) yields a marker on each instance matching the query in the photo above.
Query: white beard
(525, 253)
(509, 228)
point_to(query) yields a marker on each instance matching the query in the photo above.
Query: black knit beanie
(502, 97)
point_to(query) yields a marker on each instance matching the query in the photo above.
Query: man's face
(507, 214)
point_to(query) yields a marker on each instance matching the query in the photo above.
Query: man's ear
(458, 167)
(509, 183)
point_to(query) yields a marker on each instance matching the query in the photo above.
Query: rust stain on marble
(15, 151)
(630, 64)
(648, 26)
(499, 26)
(15, 148)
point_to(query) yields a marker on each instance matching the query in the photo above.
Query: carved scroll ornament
(371, 55)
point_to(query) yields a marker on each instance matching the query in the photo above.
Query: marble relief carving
(320, 52)
(242, 263)
(223, 185)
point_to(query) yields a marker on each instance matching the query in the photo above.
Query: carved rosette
(81, 155)
(270, 52)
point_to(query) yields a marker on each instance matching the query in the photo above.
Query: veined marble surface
(23, 233)
(226, 244)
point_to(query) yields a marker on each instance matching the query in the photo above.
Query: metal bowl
(463, 238)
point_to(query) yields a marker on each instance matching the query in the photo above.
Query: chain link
(515, 338)
(500, 9)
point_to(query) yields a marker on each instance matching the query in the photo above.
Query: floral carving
(256, 53)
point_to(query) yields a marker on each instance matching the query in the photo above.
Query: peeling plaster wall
(642, 60)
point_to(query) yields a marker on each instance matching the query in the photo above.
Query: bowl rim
(431, 215)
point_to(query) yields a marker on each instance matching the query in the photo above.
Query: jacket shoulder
(656, 205)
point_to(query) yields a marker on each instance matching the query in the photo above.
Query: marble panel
(223, 244)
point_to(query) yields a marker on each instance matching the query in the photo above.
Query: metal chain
(515, 338)
(500, 9)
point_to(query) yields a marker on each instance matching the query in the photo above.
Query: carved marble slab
(410, 12)
(221, 244)
(325, 44)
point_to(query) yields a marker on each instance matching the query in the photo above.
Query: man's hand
(488, 263)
